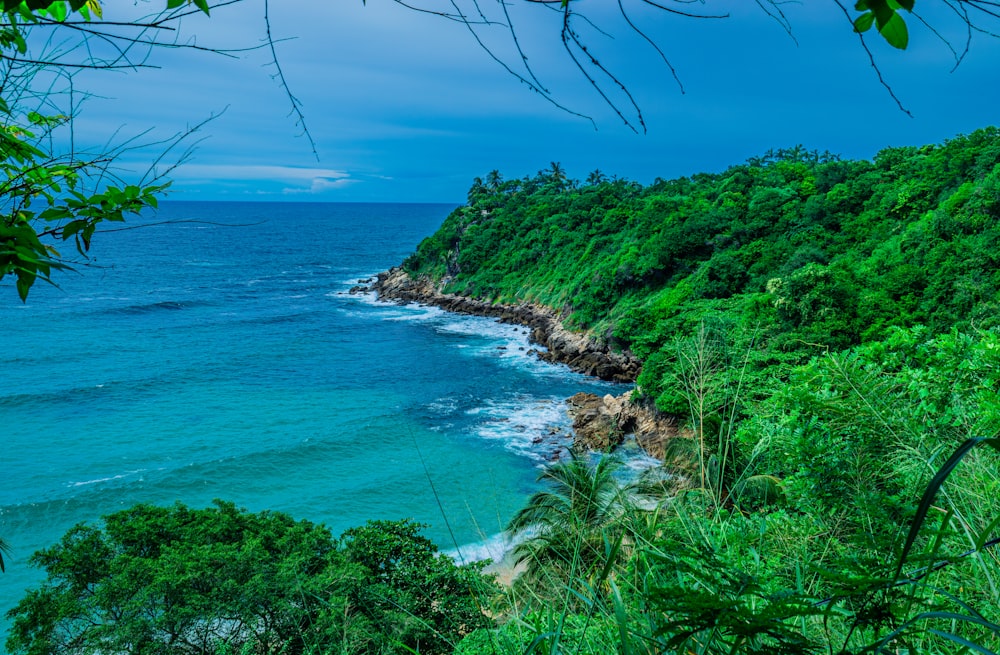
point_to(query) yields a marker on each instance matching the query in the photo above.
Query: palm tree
(4, 548)
(494, 179)
(567, 528)
(596, 177)
(555, 176)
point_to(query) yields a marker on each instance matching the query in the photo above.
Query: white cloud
(321, 184)
(285, 179)
(256, 172)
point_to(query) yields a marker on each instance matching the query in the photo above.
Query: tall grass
(742, 559)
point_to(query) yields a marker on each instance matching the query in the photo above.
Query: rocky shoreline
(602, 424)
(599, 423)
(577, 351)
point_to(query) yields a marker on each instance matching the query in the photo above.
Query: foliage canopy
(809, 252)
(180, 580)
(826, 333)
(52, 195)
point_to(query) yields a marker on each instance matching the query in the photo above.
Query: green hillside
(827, 334)
(803, 250)
(828, 331)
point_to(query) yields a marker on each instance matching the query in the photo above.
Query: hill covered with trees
(826, 334)
(806, 252)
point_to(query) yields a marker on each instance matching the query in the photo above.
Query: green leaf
(894, 31)
(864, 22)
(58, 11)
(931, 491)
(24, 281)
(984, 536)
(621, 618)
(962, 641)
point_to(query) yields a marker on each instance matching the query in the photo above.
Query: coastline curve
(579, 352)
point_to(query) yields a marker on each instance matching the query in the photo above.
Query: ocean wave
(537, 428)
(155, 307)
(412, 314)
(494, 548)
(635, 460)
(84, 394)
(110, 478)
(278, 319)
(443, 406)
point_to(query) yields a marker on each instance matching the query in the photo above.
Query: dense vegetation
(181, 580)
(801, 251)
(826, 332)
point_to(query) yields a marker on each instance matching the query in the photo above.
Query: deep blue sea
(213, 352)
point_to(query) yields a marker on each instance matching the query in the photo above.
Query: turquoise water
(223, 358)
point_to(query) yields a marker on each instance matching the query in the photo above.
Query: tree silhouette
(576, 22)
(596, 177)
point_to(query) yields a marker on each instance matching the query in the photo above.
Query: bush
(178, 580)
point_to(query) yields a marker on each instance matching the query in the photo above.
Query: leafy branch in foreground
(580, 28)
(53, 194)
(48, 197)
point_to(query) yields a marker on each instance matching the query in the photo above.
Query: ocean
(212, 350)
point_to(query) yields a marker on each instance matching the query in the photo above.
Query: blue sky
(406, 106)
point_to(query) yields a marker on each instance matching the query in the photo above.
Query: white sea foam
(120, 476)
(443, 406)
(363, 298)
(201, 263)
(537, 428)
(408, 313)
(494, 548)
(634, 459)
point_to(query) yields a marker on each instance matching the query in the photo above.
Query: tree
(54, 194)
(494, 179)
(596, 177)
(567, 524)
(555, 176)
(429, 602)
(179, 580)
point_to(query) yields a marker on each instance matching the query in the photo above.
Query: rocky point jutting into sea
(598, 423)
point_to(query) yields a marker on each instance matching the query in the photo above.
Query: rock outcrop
(603, 423)
(599, 423)
(578, 351)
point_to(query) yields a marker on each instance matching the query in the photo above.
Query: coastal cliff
(578, 351)
(599, 424)
(603, 423)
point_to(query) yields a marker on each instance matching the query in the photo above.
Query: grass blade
(932, 489)
(962, 641)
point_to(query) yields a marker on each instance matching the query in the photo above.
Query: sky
(405, 106)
